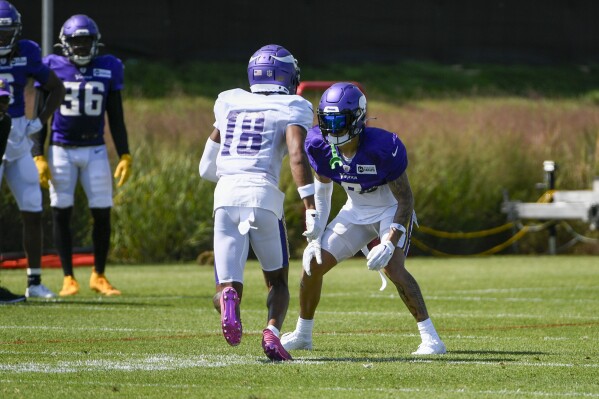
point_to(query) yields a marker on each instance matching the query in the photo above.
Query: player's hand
(380, 255)
(43, 170)
(312, 251)
(123, 169)
(313, 225)
(33, 126)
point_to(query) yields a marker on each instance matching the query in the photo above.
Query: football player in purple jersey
(252, 133)
(77, 150)
(21, 60)
(370, 164)
(5, 124)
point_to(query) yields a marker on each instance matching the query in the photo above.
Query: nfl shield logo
(269, 73)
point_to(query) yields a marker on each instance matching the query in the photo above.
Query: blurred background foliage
(474, 133)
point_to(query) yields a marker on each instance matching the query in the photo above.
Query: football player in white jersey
(244, 154)
(370, 164)
(20, 61)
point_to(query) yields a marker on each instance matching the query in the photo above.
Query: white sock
(274, 330)
(304, 327)
(427, 330)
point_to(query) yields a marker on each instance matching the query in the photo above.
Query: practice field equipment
(558, 205)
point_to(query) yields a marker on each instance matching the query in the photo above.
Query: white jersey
(253, 145)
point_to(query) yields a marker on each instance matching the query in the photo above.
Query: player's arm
(299, 165)
(208, 162)
(39, 138)
(118, 130)
(5, 125)
(381, 254)
(55, 94)
(116, 120)
(402, 192)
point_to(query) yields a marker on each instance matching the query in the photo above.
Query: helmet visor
(335, 124)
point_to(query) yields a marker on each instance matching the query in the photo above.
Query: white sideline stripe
(162, 362)
(527, 289)
(471, 298)
(105, 329)
(504, 392)
(156, 362)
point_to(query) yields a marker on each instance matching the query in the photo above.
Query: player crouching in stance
(244, 154)
(370, 164)
(77, 150)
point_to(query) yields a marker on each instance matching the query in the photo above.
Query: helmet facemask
(81, 49)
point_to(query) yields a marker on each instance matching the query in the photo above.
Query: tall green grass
(514, 326)
(473, 134)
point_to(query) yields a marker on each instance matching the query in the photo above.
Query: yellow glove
(43, 170)
(123, 169)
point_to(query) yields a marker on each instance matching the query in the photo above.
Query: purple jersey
(381, 157)
(79, 121)
(25, 63)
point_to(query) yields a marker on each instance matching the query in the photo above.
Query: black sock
(101, 237)
(62, 238)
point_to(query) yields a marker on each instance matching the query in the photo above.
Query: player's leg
(268, 237)
(230, 254)
(22, 178)
(411, 295)
(341, 240)
(62, 193)
(96, 180)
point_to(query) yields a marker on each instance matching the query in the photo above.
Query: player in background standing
(370, 164)
(77, 151)
(5, 124)
(19, 61)
(252, 133)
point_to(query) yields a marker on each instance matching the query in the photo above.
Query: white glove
(380, 255)
(33, 126)
(313, 226)
(312, 251)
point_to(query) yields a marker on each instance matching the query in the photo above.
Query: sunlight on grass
(513, 325)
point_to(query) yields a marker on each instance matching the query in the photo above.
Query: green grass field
(514, 326)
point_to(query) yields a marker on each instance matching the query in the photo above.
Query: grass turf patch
(514, 327)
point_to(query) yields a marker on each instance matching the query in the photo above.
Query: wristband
(398, 227)
(306, 191)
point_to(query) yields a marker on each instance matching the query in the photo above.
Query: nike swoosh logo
(394, 153)
(98, 151)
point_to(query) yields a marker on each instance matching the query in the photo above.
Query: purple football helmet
(341, 113)
(272, 69)
(10, 27)
(80, 39)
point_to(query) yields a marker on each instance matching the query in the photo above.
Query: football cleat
(70, 286)
(231, 324)
(39, 291)
(294, 341)
(273, 348)
(7, 297)
(431, 347)
(99, 283)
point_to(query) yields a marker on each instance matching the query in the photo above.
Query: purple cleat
(273, 348)
(232, 330)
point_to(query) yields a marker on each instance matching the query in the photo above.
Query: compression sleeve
(208, 161)
(116, 120)
(39, 138)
